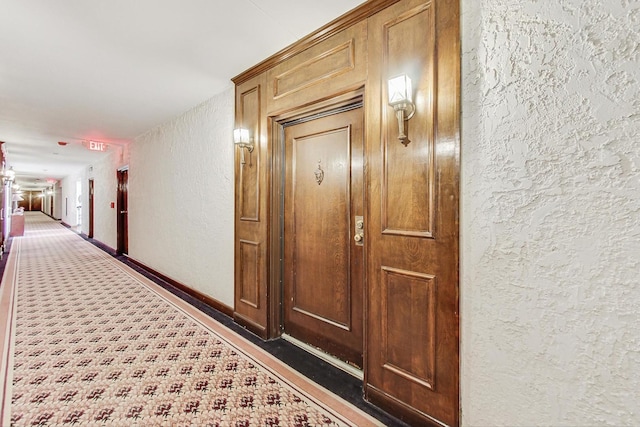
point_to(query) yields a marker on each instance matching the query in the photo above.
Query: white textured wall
(550, 227)
(181, 198)
(70, 215)
(104, 174)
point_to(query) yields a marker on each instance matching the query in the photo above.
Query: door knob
(358, 238)
(124, 212)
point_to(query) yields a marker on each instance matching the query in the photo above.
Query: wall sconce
(400, 98)
(8, 176)
(242, 139)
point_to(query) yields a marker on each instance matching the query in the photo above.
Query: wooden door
(123, 212)
(36, 202)
(323, 265)
(90, 234)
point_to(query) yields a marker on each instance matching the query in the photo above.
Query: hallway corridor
(86, 340)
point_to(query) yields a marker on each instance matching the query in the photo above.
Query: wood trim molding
(360, 13)
(211, 302)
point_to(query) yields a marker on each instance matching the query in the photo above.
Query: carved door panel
(323, 264)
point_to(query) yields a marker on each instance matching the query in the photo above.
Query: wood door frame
(275, 263)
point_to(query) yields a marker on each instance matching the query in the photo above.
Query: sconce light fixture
(400, 98)
(8, 176)
(243, 140)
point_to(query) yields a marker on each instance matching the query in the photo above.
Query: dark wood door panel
(321, 226)
(91, 208)
(123, 212)
(323, 266)
(36, 202)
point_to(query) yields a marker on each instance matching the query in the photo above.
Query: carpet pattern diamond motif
(94, 344)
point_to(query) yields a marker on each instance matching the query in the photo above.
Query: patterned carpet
(85, 341)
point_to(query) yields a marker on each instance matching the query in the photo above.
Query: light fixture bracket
(243, 139)
(400, 95)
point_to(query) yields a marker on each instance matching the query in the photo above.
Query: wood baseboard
(211, 302)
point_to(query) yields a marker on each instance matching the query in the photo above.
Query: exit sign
(97, 146)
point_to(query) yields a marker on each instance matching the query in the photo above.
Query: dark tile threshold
(328, 376)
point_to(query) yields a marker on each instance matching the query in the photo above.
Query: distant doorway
(79, 202)
(90, 231)
(123, 211)
(36, 201)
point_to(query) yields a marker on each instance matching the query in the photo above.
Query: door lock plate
(358, 235)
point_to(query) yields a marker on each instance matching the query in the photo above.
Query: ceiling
(78, 70)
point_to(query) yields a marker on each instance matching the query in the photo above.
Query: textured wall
(181, 198)
(105, 183)
(550, 227)
(70, 215)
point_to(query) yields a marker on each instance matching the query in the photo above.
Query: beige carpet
(85, 341)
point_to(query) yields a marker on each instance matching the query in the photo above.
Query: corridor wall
(181, 198)
(550, 213)
(69, 199)
(103, 173)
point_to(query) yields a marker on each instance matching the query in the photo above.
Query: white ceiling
(77, 70)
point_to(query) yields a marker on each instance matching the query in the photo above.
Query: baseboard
(211, 302)
(50, 216)
(108, 249)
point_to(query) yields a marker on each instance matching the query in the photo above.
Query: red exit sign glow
(97, 146)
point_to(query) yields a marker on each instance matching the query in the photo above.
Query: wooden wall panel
(408, 325)
(335, 66)
(249, 118)
(251, 254)
(408, 176)
(316, 70)
(250, 273)
(412, 215)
